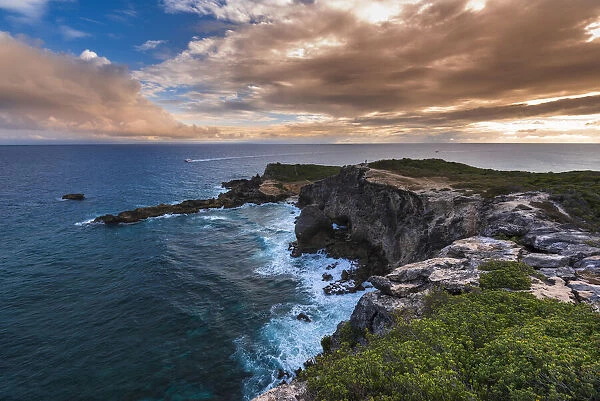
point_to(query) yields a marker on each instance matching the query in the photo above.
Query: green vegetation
(505, 274)
(578, 192)
(488, 345)
(299, 172)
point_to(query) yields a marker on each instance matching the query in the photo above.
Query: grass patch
(505, 274)
(299, 172)
(578, 192)
(488, 345)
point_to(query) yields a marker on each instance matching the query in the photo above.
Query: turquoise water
(198, 307)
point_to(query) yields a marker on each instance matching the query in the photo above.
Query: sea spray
(281, 346)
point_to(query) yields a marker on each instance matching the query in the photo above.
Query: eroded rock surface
(295, 391)
(313, 228)
(404, 226)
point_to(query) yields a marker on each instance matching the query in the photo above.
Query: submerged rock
(342, 287)
(303, 316)
(73, 196)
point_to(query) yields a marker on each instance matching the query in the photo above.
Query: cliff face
(405, 225)
(433, 237)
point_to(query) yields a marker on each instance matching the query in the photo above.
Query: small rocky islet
(416, 227)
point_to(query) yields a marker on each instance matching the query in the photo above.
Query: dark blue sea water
(198, 307)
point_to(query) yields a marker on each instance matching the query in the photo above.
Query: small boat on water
(188, 160)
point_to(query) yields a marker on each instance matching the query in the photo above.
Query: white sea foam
(85, 222)
(165, 216)
(212, 217)
(285, 342)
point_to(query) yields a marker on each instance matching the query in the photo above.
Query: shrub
(505, 274)
(491, 345)
(326, 344)
(299, 172)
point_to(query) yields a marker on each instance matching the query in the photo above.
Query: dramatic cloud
(444, 65)
(40, 90)
(333, 70)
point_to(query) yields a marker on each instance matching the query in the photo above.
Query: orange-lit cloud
(384, 64)
(338, 70)
(40, 90)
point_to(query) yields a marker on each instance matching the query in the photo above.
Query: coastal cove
(190, 306)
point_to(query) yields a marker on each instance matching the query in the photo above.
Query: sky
(307, 71)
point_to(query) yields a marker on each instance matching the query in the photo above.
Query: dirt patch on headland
(407, 183)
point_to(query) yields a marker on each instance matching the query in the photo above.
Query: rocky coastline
(411, 236)
(257, 190)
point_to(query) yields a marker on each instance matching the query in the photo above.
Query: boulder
(545, 260)
(574, 244)
(383, 284)
(376, 311)
(73, 197)
(590, 264)
(566, 273)
(421, 271)
(586, 292)
(478, 250)
(295, 391)
(555, 288)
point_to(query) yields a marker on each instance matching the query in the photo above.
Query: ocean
(191, 307)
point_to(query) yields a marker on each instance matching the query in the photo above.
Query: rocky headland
(415, 227)
(278, 182)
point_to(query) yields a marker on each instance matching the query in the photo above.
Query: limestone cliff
(404, 224)
(430, 235)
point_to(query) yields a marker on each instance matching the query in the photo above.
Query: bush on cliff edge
(491, 345)
(505, 274)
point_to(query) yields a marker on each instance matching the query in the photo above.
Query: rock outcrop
(240, 192)
(401, 225)
(390, 216)
(431, 237)
(455, 271)
(313, 228)
(295, 391)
